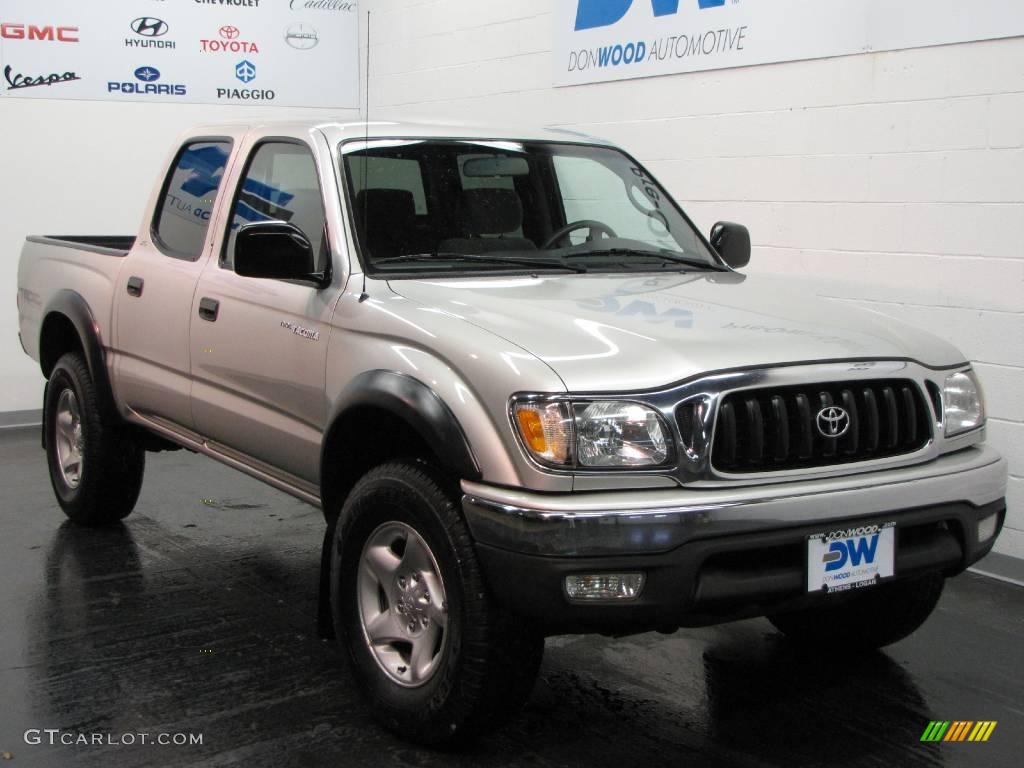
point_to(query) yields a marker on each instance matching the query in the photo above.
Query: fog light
(987, 528)
(604, 586)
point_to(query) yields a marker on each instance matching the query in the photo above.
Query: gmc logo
(32, 32)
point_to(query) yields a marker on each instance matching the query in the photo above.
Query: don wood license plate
(850, 558)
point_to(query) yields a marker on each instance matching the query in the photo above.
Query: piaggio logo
(32, 32)
(591, 14)
(245, 71)
(958, 730)
(229, 43)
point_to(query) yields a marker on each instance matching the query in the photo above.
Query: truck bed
(111, 245)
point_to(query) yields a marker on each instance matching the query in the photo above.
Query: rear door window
(183, 215)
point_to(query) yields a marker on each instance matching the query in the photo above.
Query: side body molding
(416, 404)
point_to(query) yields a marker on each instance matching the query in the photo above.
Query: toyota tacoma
(528, 395)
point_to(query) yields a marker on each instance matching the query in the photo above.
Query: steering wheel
(581, 224)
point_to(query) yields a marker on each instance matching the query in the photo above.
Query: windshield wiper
(665, 256)
(480, 257)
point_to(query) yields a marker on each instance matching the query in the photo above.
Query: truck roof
(340, 130)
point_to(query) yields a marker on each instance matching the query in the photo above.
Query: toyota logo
(229, 33)
(147, 26)
(833, 421)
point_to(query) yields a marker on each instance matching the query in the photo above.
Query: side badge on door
(298, 330)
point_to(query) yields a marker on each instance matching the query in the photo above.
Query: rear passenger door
(153, 298)
(259, 346)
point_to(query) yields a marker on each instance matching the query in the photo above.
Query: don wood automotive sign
(600, 40)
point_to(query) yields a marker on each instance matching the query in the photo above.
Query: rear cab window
(187, 199)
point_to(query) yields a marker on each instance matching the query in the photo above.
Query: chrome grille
(771, 429)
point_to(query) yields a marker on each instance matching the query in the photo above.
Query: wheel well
(58, 337)
(361, 439)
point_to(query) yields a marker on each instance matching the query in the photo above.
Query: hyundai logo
(833, 421)
(147, 26)
(147, 74)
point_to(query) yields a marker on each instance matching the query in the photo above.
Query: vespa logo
(603, 13)
(147, 26)
(853, 551)
(833, 421)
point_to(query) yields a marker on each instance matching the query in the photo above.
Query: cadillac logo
(833, 421)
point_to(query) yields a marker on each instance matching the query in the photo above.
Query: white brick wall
(897, 177)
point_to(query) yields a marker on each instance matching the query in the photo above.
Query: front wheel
(877, 617)
(436, 658)
(95, 466)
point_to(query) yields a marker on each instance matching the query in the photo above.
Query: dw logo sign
(591, 14)
(852, 551)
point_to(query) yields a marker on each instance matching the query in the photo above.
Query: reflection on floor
(197, 616)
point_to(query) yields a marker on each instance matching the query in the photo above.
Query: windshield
(451, 206)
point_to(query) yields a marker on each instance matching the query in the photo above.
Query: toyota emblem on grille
(833, 421)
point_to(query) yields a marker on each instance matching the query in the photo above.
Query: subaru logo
(301, 36)
(245, 71)
(833, 421)
(147, 26)
(147, 74)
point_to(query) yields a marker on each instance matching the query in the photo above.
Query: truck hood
(615, 332)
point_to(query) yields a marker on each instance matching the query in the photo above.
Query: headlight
(962, 399)
(617, 434)
(605, 433)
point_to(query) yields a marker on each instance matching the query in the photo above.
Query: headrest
(490, 211)
(384, 208)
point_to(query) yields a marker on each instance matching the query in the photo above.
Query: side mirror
(732, 241)
(276, 250)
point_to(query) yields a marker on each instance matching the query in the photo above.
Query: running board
(283, 481)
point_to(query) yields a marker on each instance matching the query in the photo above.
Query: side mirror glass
(732, 241)
(276, 250)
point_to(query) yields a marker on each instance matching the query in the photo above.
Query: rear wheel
(95, 466)
(874, 618)
(436, 658)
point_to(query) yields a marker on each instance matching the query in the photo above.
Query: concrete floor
(197, 616)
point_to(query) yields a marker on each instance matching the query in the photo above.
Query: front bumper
(716, 555)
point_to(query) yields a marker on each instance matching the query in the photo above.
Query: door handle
(135, 285)
(208, 309)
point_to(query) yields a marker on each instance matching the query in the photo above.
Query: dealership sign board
(268, 52)
(600, 40)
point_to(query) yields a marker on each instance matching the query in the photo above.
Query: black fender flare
(417, 405)
(71, 305)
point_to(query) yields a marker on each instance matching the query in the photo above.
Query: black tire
(112, 463)
(486, 666)
(874, 618)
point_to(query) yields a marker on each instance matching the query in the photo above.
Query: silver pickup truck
(528, 395)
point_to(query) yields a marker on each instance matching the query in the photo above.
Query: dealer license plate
(851, 557)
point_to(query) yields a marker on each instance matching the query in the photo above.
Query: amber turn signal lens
(532, 431)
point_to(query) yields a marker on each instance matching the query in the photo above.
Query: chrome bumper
(653, 521)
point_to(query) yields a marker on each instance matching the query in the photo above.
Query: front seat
(485, 217)
(390, 218)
